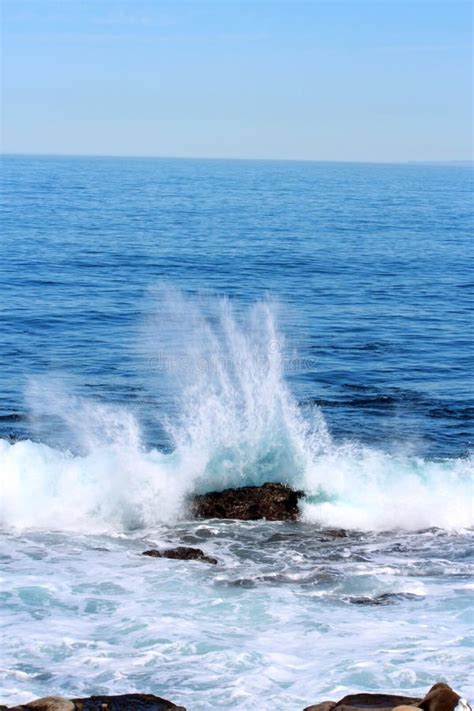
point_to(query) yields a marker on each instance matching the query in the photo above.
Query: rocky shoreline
(271, 502)
(124, 702)
(439, 698)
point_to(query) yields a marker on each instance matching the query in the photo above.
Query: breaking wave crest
(236, 424)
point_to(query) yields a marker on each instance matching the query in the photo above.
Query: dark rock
(336, 532)
(355, 702)
(343, 707)
(440, 698)
(182, 553)
(382, 599)
(273, 502)
(323, 706)
(375, 701)
(47, 703)
(126, 702)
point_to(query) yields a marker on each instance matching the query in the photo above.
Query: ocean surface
(179, 326)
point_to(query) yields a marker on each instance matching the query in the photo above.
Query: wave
(236, 424)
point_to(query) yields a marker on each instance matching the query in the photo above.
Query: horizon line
(131, 156)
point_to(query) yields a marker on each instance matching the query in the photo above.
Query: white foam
(362, 488)
(237, 424)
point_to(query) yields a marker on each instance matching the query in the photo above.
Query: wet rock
(323, 706)
(273, 502)
(182, 553)
(343, 707)
(382, 599)
(440, 698)
(375, 701)
(336, 532)
(126, 702)
(47, 703)
(357, 702)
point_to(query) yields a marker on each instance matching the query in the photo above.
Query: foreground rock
(141, 702)
(273, 502)
(356, 702)
(126, 702)
(439, 698)
(182, 553)
(48, 703)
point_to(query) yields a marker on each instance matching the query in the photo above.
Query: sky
(343, 80)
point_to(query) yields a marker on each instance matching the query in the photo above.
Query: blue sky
(385, 80)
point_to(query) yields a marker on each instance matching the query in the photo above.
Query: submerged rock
(273, 502)
(125, 702)
(388, 598)
(182, 553)
(439, 698)
(335, 532)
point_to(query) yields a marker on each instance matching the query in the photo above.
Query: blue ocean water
(371, 262)
(170, 326)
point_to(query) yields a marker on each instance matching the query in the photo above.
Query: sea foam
(235, 423)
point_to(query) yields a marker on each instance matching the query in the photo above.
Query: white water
(236, 424)
(290, 615)
(284, 620)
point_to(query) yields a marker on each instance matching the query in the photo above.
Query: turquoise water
(173, 326)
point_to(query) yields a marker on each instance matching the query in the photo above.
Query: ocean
(171, 327)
